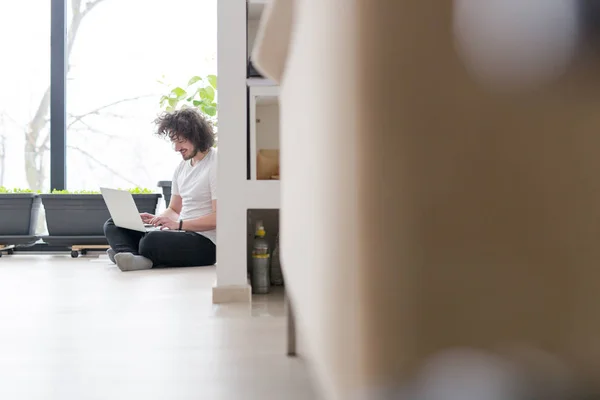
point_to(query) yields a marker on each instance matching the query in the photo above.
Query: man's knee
(108, 225)
(149, 243)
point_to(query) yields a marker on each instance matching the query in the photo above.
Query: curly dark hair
(186, 123)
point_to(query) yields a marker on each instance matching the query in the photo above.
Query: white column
(232, 282)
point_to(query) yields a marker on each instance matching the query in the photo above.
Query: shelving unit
(263, 121)
(248, 122)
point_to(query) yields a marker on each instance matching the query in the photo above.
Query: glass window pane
(122, 50)
(24, 98)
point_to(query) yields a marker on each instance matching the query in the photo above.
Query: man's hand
(165, 223)
(146, 218)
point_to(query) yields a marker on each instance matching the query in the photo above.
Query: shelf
(263, 194)
(257, 82)
(256, 8)
(264, 95)
(267, 101)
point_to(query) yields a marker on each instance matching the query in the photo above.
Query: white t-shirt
(197, 186)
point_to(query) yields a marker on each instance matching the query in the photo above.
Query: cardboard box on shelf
(267, 164)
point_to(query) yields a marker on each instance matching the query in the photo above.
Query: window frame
(58, 94)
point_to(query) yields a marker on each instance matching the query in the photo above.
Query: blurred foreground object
(521, 44)
(438, 214)
(517, 42)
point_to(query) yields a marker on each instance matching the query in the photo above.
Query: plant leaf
(210, 93)
(203, 94)
(210, 110)
(173, 102)
(197, 103)
(193, 80)
(179, 93)
(212, 79)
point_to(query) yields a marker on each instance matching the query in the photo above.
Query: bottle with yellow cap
(261, 262)
(276, 274)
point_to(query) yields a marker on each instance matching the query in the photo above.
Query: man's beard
(191, 155)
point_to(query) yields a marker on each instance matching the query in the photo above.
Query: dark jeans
(163, 248)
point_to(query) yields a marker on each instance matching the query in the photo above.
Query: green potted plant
(200, 93)
(19, 210)
(78, 217)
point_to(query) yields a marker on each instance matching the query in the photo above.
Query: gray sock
(129, 262)
(111, 255)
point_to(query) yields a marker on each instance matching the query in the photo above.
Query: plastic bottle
(276, 274)
(261, 262)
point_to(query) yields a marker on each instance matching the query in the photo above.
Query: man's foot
(130, 262)
(111, 255)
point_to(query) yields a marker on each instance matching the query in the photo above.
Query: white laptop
(123, 210)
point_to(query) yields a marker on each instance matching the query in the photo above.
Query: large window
(118, 51)
(24, 94)
(122, 51)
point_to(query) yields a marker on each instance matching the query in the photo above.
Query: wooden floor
(80, 329)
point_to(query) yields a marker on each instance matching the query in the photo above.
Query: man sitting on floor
(187, 235)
